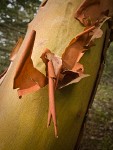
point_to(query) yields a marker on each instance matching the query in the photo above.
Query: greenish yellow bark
(23, 122)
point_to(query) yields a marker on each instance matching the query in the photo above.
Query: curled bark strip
(56, 61)
(76, 49)
(52, 111)
(16, 49)
(76, 79)
(72, 76)
(27, 78)
(12, 57)
(68, 68)
(59, 77)
(91, 11)
(53, 64)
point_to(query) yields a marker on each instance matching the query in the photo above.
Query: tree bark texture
(23, 122)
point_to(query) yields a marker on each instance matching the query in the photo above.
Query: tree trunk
(23, 121)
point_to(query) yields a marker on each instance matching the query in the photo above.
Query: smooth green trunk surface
(23, 121)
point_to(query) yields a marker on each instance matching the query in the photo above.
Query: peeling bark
(53, 25)
(12, 57)
(27, 78)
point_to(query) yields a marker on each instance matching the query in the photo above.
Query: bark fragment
(27, 78)
(76, 48)
(68, 70)
(96, 12)
(72, 71)
(52, 109)
(90, 12)
(16, 49)
(53, 64)
(12, 57)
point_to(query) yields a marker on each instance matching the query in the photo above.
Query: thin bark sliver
(16, 49)
(12, 57)
(52, 111)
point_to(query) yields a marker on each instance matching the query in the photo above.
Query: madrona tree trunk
(23, 122)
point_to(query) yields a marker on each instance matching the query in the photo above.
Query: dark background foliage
(98, 133)
(14, 17)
